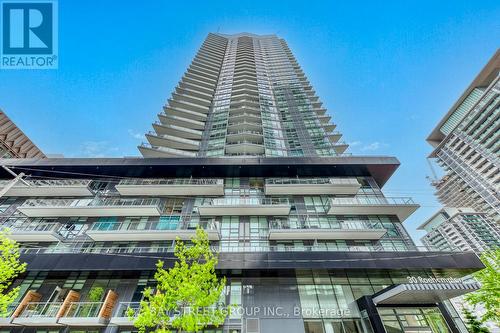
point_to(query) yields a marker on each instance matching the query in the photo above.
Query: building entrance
(413, 320)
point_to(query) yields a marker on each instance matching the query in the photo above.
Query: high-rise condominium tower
(306, 238)
(461, 228)
(243, 95)
(466, 144)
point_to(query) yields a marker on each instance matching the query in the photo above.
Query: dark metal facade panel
(379, 167)
(463, 263)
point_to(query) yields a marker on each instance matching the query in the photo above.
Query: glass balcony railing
(41, 310)
(249, 132)
(326, 225)
(95, 202)
(174, 181)
(51, 182)
(244, 142)
(34, 226)
(372, 200)
(171, 224)
(244, 123)
(247, 201)
(124, 308)
(223, 249)
(83, 309)
(312, 181)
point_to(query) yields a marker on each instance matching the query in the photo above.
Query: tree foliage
(187, 294)
(10, 267)
(474, 325)
(489, 294)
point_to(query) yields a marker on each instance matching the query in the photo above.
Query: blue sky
(386, 71)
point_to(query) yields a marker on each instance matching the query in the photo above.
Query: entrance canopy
(422, 293)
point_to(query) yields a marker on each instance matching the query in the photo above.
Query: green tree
(489, 294)
(96, 293)
(186, 295)
(473, 324)
(10, 267)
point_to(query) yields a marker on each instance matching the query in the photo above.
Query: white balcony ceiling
(89, 211)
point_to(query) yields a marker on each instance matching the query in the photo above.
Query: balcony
(90, 207)
(49, 187)
(311, 186)
(168, 229)
(178, 112)
(234, 111)
(35, 232)
(245, 206)
(148, 150)
(84, 314)
(181, 121)
(173, 142)
(171, 187)
(340, 147)
(334, 137)
(238, 136)
(120, 317)
(244, 126)
(244, 148)
(372, 205)
(177, 131)
(328, 127)
(39, 314)
(7, 320)
(244, 116)
(329, 230)
(251, 103)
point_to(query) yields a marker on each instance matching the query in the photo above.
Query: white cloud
(373, 146)
(354, 143)
(97, 149)
(136, 135)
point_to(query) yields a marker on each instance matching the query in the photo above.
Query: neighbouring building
(14, 143)
(461, 228)
(466, 145)
(244, 149)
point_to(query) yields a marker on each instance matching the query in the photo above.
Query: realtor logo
(28, 34)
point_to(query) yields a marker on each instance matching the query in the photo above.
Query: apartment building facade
(466, 145)
(461, 228)
(306, 238)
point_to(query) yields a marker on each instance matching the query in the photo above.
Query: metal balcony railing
(152, 226)
(326, 225)
(51, 182)
(259, 248)
(244, 142)
(247, 201)
(30, 226)
(41, 310)
(167, 150)
(83, 309)
(125, 307)
(174, 181)
(244, 132)
(312, 181)
(373, 200)
(244, 123)
(96, 202)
